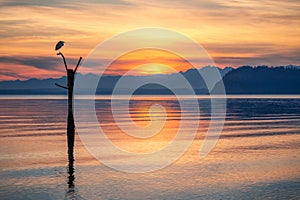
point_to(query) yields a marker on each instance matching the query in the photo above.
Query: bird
(59, 45)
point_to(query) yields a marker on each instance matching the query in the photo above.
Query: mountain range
(242, 80)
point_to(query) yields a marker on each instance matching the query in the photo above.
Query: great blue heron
(59, 45)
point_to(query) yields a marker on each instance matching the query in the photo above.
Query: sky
(233, 32)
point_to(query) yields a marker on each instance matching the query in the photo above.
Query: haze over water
(256, 157)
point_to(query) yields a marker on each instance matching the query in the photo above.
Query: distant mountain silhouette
(243, 80)
(263, 80)
(33, 86)
(107, 83)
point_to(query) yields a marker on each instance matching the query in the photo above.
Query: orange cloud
(233, 32)
(145, 56)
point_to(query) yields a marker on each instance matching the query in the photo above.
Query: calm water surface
(256, 157)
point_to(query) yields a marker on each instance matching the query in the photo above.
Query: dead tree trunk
(71, 125)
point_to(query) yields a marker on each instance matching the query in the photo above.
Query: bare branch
(63, 59)
(78, 63)
(61, 86)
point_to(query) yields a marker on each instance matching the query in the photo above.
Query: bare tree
(71, 124)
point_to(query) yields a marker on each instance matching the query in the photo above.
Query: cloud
(233, 32)
(25, 28)
(47, 63)
(58, 3)
(240, 48)
(191, 4)
(272, 58)
(13, 75)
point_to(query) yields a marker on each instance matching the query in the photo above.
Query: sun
(153, 61)
(153, 68)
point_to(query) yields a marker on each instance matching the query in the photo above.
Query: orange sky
(234, 32)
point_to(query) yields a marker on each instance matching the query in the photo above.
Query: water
(256, 157)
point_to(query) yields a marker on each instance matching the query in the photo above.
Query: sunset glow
(234, 33)
(149, 62)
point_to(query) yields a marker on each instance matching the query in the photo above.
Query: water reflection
(71, 192)
(256, 157)
(140, 115)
